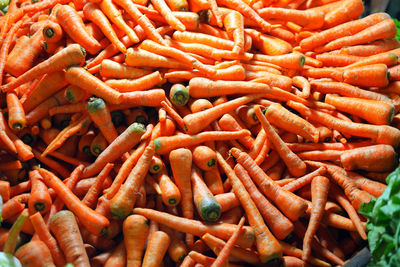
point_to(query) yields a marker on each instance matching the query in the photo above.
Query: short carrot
(40, 199)
(34, 253)
(135, 229)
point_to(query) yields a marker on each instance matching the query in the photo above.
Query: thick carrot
(167, 143)
(207, 206)
(35, 253)
(263, 235)
(118, 257)
(373, 111)
(290, 204)
(223, 231)
(44, 234)
(52, 31)
(135, 229)
(69, 56)
(73, 25)
(100, 115)
(157, 246)
(381, 30)
(80, 77)
(280, 226)
(319, 194)
(93, 12)
(65, 228)
(112, 69)
(382, 134)
(123, 143)
(94, 222)
(40, 199)
(204, 157)
(371, 48)
(379, 158)
(124, 200)
(170, 193)
(16, 117)
(309, 19)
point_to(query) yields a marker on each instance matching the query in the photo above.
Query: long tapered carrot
(198, 228)
(69, 56)
(124, 200)
(165, 144)
(280, 226)
(94, 191)
(293, 206)
(94, 222)
(263, 235)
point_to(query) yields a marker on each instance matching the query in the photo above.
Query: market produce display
(197, 133)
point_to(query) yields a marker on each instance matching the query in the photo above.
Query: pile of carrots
(193, 132)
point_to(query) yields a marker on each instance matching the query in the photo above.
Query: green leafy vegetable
(383, 224)
(397, 22)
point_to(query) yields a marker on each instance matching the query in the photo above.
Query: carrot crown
(137, 127)
(95, 104)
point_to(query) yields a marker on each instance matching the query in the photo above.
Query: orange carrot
(64, 226)
(52, 31)
(112, 69)
(124, 200)
(223, 231)
(91, 196)
(94, 222)
(135, 228)
(310, 19)
(16, 117)
(40, 199)
(371, 48)
(350, 9)
(157, 246)
(35, 253)
(229, 123)
(166, 12)
(100, 114)
(234, 25)
(118, 257)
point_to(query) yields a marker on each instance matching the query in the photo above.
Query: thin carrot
(229, 123)
(91, 196)
(64, 226)
(223, 231)
(94, 222)
(371, 48)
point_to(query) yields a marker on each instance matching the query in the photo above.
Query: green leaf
(383, 214)
(397, 22)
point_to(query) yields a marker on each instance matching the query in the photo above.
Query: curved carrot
(234, 26)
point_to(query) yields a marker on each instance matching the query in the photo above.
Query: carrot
(198, 121)
(309, 19)
(394, 73)
(73, 25)
(5, 190)
(346, 90)
(167, 143)
(35, 253)
(170, 193)
(295, 252)
(137, 115)
(383, 29)
(123, 143)
(93, 12)
(388, 58)
(23, 55)
(139, 84)
(12, 237)
(124, 200)
(166, 12)
(291, 61)
(246, 11)
(382, 134)
(94, 222)
(319, 191)
(67, 132)
(94, 190)
(280, 226)
(380, 158)
(156, 165)
(141, 19)
(337, 194)
(199, 105)
(269, 45)
(47, 86)
(40, 199)
(371, 48)
(64, 226)
(207, 206)
(356, 196)
(223, 231)
(115, 16)
(80, 77)
(295, 165)
(234, 26)
(292, 209)
(52, 31)
(112, 69)
(79, 107)
(229, 123)
(204, 157)
(151, 98)
(16, 118)
(100, 114)
(156, 248)
(373, 111)
(71, 55)
(135, 228)
(266, 253)
(304, 180)
(43, 232)
(350, 9)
